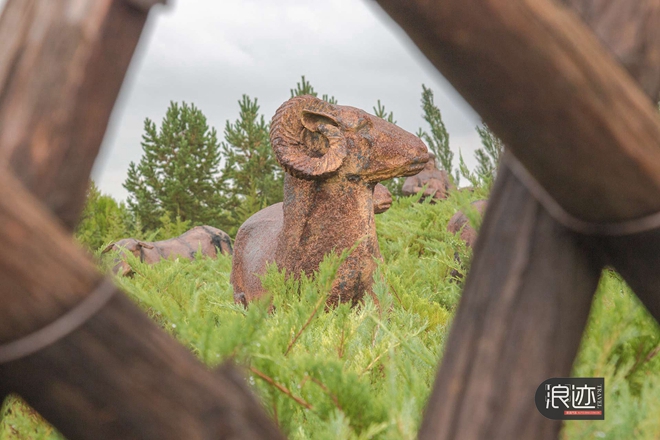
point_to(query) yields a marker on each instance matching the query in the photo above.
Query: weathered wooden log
(116, 376)
(501, 345)
(553, 93)
(62, 64)
(631, 30)
(519, 322)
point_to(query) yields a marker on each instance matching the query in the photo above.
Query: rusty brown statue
(438, 182)
(333, 156)
(207, 239)
(460, 223)
(257, 242)
(382, 199)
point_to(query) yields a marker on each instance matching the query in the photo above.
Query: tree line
(187, 176)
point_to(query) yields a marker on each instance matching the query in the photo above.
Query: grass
(367, 372)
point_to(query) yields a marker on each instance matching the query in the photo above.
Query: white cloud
(211, 52)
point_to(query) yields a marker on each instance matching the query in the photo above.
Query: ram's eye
(362, 124)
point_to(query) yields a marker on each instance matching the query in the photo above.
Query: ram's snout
(394, 153)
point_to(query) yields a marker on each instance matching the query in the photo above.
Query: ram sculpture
(435, 183)
(207, 239)
(333, 157)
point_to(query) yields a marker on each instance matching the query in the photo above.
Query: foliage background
(349, 373)
(177, 174)
(366, 373)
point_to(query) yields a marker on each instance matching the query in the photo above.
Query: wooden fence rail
(557, 98)
(572, 115)
(584, 130)
(118, 375)
(62, 64)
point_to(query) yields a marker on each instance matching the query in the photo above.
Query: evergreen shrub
(366, 373)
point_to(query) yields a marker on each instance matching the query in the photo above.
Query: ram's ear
(145, 245)
(108, 248)
(317, 121)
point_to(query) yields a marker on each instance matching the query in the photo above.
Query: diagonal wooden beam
(553, 93)
(631, 31)
(118, 375)
(524, 306)
(519, 322)
(61, 67)
(62, 64)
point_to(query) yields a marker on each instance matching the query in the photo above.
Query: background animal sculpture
(438, 182)
(382, 199)
(205, 238)
(460, 222)
(333, 156)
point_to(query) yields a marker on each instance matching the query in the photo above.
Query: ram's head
(315, 140)
(135, 247)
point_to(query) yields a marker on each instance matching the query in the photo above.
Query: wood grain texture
(519, 322)
(629, 29)
(119, 375)
(527, 296)
(131, 380)
(42, 273)
(62, 64)
(546, 85)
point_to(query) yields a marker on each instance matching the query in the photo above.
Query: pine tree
(488, 159)
(379, 110)
(251, 178)
(305, 88)
(438, 140)
(103, 220)
(177, 174)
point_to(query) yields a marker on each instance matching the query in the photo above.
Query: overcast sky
(210, 52)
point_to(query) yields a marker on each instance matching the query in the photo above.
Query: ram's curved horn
(287, 135)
